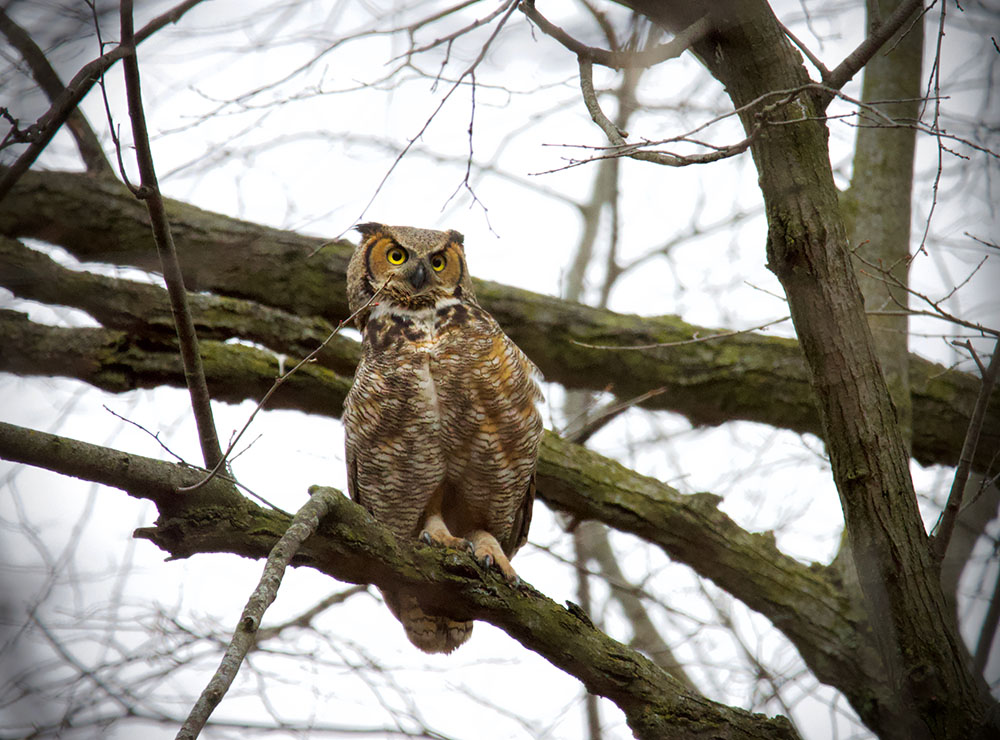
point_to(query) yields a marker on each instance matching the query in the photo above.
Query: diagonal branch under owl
(442, 429)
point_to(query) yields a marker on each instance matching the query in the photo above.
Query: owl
(441, 423)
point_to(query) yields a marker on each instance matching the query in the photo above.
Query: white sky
(312, 165)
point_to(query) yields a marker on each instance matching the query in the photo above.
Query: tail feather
(429, 633)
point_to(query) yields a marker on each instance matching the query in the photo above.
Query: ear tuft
(369, 229)
(456, 237)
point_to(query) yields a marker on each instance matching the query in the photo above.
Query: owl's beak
(418, 276)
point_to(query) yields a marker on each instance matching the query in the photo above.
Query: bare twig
(934, 85)
(48, 80)
(304, 620)
(693, 340)
(946, 523)
(937, 312)
(277, 384)
(602, 417)
(76, 90)
(303, 525)
(510, 6)
(156, 436)
(149, 191)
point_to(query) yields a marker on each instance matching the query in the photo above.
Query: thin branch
(988, 632)
(824, 73)
(279, 381)
(511, 6)
(858, 58)
(946, 523)
(48, 80)
(645, 636)
(694, 340)
(887, 276)
(76, 90)
(244, 636)
(586, 64)
(149, 191)
(304, 620)
(182, 461)
(604, 416)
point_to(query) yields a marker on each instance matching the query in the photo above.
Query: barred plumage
(442, 425)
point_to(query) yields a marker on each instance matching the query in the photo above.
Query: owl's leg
(436, 532)
(487, 551)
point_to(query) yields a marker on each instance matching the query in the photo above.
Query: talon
(425, 537)
(470, 547)
(487, 561)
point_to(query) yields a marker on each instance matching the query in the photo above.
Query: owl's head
(419, 267)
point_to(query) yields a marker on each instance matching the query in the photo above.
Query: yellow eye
(396, 255)
(438, 262)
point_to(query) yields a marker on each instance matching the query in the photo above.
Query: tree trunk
(807, 250)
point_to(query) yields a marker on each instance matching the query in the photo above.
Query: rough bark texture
(352, 547)
(807, 250)
(748, 377)
(877, 205)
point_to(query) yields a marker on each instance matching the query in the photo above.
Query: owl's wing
(357, 428)
(522, 521)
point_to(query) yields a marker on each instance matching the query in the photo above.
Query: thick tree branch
(750, 377)
(806, 248)
(352, 547)
(142, 309)
(117, 362)
(800, 600)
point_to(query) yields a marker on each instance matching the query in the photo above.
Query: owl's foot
(436, 533)
(487, 551)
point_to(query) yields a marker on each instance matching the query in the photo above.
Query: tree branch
(799, 600)
(302, 526)
(857, 59)
(352, 547)
(48, 80)
(749, 377)
(940, 540)
(75, 91)
(149, 191)
(116, 361)
(619, 59)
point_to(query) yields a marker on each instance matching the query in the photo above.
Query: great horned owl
(442, 425)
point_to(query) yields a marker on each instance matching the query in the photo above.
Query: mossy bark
(351, 546)
(749, 377)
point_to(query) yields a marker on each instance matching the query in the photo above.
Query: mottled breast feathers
(441, 423)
